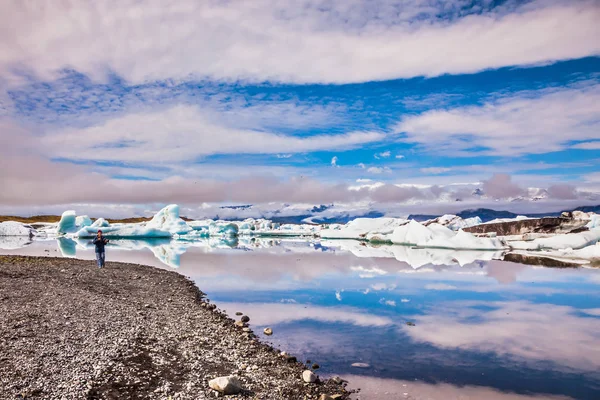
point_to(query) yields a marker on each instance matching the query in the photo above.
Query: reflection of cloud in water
(504, 272)
(440, 286)
(262, 314)
(380, 388)
(526, 330)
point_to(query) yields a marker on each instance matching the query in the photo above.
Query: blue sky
(202, 102)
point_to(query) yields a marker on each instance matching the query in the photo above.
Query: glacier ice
(168, 220)
(68, 222)
(13, 228)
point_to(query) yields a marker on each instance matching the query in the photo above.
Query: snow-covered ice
(13, 228)
(563, 241)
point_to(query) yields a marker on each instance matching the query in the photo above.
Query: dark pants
(100, 259)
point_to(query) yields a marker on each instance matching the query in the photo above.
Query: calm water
(483, 330)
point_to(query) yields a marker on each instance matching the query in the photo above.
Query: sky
(115, 108)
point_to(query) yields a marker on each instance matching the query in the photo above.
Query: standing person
(100, 242)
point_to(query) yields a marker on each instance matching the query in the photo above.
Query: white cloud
(337, 42)
(379, 170)
(587, 146)
(334, 161)
(284, 155)
(435, 170)
(182, 133)
(362, 166)
(368, 272)
(384, 154)
(399, 157)
(277, 313)
(440, 286)
(390, 303)
(404, 300)
(527, 122)
(453, 326)
(338, 295)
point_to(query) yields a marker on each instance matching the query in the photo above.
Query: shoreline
(129, 331)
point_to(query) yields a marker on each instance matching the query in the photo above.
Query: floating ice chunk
(13, 228)
(82, 220)
(558, 242)
(221, 228)
(168, 220)
(375, 229)
(100, 223)
(454, 222)
(500, 220)
(67, 223)
(464, 241)
(594, 221)
(413, 233)
(123, 230)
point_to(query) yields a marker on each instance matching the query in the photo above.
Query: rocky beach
(70, 330)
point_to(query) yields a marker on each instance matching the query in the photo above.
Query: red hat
(99, 231)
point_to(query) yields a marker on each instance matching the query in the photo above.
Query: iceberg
(373, 229)
(454, 222)
(67, 223)
(123, 230)
(168, 220)
(100, 223)
(82, 221)
(558, 242)
(13, 228)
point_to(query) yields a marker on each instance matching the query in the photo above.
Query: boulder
(309, 376)
(226, 385)
(245, 319)
(268, 331)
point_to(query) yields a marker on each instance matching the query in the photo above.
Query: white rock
(226, 384)
(268, 331)
(360, 365)
(309, 376)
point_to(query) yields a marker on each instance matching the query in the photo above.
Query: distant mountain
(487, 214)
(326, 214)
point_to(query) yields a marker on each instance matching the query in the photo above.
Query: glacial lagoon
(396, 322)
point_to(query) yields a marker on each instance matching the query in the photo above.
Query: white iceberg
(558, 242)
(454, 222)
(100, 223)
(13, 228)
(374, 229)
(168, 220)
(83, 220)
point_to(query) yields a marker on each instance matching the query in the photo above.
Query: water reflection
(483, 328)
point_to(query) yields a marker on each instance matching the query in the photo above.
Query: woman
(100, 242)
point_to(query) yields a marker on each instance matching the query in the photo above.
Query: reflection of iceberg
(14, 242)
(67, 247)
(415, 257)
(166, 250)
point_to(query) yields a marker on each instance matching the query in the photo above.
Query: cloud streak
(522, 123)
(345, 41)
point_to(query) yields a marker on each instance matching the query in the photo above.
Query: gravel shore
(70, 330)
